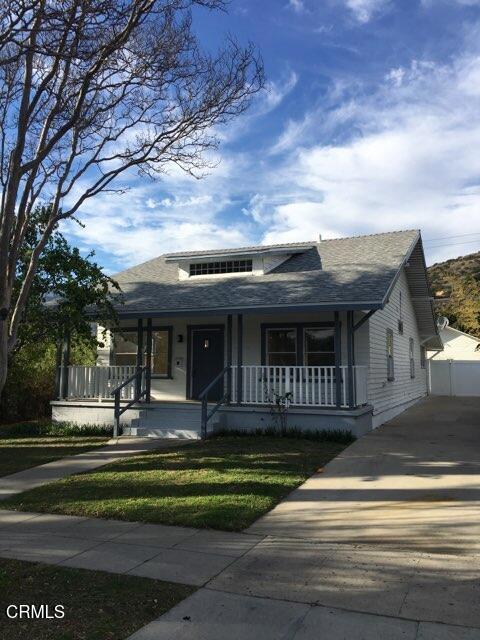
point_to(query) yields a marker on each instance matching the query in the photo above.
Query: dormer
(227, 263)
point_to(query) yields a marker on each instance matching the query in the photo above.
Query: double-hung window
(319, 347)
(390, 357)
(412, 357)
(125, 350)
(296, 346)
(281, 347)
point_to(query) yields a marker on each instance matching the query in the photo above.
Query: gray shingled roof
(346, 271)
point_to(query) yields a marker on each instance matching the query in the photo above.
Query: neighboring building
(340, 326)
(457, 345)
(455, 371)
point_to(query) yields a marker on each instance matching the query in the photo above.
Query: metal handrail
(118, 411)
(203, 396)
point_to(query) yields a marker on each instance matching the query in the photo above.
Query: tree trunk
(3, 354)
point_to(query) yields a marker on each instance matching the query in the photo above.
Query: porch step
(170, 420)
(175, 434)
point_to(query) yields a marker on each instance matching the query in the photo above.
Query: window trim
(423, 357)
(411, 357)
(167, 328)
(390, 370)
(300, 327)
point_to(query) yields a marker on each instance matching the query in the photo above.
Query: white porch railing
(97, 383)
(308, 386)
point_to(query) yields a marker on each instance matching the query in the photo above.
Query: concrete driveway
(384, 543)
(412, 484)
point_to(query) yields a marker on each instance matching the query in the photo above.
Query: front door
(207, 361)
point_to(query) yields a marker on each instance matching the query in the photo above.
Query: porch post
(239, 357)
(350, 359)
(65, 363)
(58, 370)
(148, 376)
(338, 361)
(138, 381)
(229, 358)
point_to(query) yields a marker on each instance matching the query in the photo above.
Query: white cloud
(411, 160)
(364, 10)
(297, 5)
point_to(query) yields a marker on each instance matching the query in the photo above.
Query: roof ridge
(371, 235)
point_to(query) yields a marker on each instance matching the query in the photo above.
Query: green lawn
(29, 444)
(97, 605)
(224, 483)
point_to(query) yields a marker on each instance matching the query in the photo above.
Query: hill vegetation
(456, 287)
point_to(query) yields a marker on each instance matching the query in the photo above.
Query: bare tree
(89, 90)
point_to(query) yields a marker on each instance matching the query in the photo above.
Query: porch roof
(345, 273)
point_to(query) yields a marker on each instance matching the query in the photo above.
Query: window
(412, 358)
(281, 347)
(319, 347)
(423, 357)
(125, 350)
(400, 314)
(229, 266)
(390, 361)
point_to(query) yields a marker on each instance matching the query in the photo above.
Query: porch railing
(307, 386)
(97, 383)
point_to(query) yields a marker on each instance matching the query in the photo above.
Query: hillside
(456, 287)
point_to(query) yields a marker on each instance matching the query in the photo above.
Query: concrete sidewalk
(87, 461)
(175, 554)
(254, 586)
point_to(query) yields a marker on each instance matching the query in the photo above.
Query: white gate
(454, 377)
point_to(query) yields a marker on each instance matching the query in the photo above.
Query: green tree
(65, 285)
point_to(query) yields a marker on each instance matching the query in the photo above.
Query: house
(455, 371)
(209, 339)
(457, 345)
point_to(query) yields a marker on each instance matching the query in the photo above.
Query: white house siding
(174, 389)
(390, 398)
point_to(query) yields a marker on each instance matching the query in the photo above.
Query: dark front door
(207, 362)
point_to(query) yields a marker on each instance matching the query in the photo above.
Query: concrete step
(154, 432)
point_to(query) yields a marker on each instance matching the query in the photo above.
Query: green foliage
(317, 435)
(66, 283)
(54, 429)
(456, 287)
(31, 377)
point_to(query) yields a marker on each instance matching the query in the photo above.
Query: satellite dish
(442, 322)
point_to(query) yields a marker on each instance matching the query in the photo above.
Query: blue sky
(370, 123)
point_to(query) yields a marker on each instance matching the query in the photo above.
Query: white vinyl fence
(454, 377)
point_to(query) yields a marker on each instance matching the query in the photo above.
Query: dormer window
(214, 268)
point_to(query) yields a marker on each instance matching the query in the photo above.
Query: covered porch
(313, 361)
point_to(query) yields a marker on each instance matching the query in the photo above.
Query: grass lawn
(26, 445)
(223, 483)
(97, 605)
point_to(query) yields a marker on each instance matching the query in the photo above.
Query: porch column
(239, 358)
(338, 361)
(148, 376)
(138, 381)
(350, 359)
(65, 363)
(58, 371)
(229, 358)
